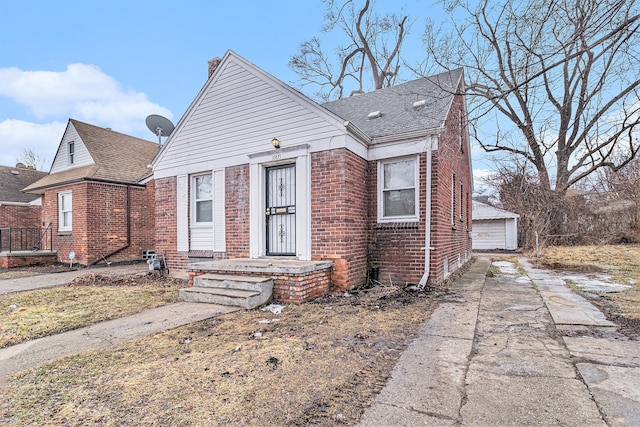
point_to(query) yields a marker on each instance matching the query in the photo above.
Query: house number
(276, 157)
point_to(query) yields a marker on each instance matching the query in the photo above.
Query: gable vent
(420, 103)
(374, 115)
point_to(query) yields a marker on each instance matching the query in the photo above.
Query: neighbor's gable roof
(398, 116)
(117, 157)
(483, 211)
(13, 180)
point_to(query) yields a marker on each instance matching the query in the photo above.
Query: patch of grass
(89, 299)
(321, 363)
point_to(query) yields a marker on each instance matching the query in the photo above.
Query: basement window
(398, 190)
(65, 209)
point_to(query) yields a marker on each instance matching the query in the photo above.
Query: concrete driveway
(513, 349)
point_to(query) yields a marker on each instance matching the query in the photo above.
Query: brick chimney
(213, 64)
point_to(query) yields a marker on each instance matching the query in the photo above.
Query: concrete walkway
(497, 352)
(8, 286)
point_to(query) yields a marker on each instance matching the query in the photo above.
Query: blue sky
(112, 63)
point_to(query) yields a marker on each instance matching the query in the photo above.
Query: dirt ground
(319, 363)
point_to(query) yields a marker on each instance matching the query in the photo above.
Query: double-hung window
(65, 209)
(398, 189)
(203, 199)
(72, 152)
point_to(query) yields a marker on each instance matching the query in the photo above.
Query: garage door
(489, 234)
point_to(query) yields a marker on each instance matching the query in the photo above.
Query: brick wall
(166, 225)
(237, 211)
(397, 248)
(16, 216)
(450, 232)
(339, 214)
(99, 222)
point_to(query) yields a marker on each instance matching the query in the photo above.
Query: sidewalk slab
(514, 400)
(566, 307)
(617, 391)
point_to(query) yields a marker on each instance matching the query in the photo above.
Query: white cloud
(18, 135)
(82, 92)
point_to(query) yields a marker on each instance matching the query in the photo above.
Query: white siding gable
(81, 154)
(237, 114)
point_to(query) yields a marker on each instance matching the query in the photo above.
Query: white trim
(258, 163)
(380, 190)
(182, 213)
(61, 211)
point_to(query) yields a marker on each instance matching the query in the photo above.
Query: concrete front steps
(237, 291)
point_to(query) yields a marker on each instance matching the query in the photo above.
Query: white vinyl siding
(239, 115)
(398, 189)
(65, 211)
(208, 235)
(81, 156)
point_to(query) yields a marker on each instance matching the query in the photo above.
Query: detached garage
(494, 228)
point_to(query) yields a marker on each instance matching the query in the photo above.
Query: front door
(281, 210)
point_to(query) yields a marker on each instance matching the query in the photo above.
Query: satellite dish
(159, 125)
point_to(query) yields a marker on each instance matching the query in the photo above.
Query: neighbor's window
(398, 189)
(203, 198)
(72, 152)
(64, 211)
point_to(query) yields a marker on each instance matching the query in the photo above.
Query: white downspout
(427, 221)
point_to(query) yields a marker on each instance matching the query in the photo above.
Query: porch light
(275, 143)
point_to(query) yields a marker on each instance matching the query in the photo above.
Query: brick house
(256, 171)
(99, 196)
(18, 209)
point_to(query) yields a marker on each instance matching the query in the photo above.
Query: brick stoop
(239, 291)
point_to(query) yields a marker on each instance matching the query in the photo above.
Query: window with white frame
(398, 189)
(202, 199)
(71, 149)
(65, 208)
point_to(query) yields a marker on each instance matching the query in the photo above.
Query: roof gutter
(37, 190)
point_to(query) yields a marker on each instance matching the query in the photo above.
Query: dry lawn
(621, 261)
(89, 299)
(319, 363)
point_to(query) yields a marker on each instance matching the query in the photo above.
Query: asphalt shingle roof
(398, 115)
(13, 180)
(118, 158)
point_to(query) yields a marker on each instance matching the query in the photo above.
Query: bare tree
(552, 82)
(31, 159)
(372, 51)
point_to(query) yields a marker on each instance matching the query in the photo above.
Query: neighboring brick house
(350, 182)
(99, 195)
(18, 209)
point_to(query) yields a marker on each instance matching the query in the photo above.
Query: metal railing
(26, 239)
